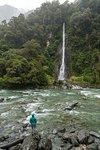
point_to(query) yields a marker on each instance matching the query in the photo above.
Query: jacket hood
(33, 115)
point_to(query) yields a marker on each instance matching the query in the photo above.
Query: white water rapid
(62, 68)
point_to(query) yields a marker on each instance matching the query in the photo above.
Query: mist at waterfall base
(48, 105)
(62, 68)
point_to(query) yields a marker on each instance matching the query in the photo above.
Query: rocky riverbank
(71, 138)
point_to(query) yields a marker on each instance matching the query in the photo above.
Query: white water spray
(62, 68)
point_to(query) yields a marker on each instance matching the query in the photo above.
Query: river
(48, 105)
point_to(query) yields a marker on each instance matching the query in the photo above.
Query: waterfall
(62, 68)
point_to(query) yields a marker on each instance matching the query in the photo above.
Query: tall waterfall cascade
(61, 75)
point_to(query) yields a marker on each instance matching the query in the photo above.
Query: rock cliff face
(59, 59)
(58, 62)
(67, 62)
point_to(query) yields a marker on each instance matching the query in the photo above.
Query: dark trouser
(33, 129)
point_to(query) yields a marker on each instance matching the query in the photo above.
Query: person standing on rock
(33, 121)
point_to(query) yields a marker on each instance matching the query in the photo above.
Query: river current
(48, 106)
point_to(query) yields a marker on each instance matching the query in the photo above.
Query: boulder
(1, 100)
(17, 147)
(3, 138)
(74, 141)
(31, 142)
(84, 98)
(60, 135)
(83, 136)
(91, 140)
(7, 99)
(94, 134)
(71, 138)
(66, 137)
(93, 146)
(62, 130)
(70, 105)
(45, 144)
(69, 146)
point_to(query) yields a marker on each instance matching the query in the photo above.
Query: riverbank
(73, 137)
(55, 84)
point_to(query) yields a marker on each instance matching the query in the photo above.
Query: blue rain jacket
(33, 120)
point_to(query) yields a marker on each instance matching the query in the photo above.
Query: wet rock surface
(4, 99)
(81, 140)
(95, 134)
(70, 139)
(45, 144)
(31, 142)
(70, 105)
(1, 100)
(36, 142)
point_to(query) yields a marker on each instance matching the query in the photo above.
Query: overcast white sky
(26, 4)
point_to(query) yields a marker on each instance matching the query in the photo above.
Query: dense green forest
(28, 46)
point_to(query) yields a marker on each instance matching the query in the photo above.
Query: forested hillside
(28, 46)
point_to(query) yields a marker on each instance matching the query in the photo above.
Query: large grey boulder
(70, 105)
(93, 146)
(74, 141)
(83, 136)
(3, 138)
(91, 139)
(66, 136)
(17, 147)
(70, 137)
(94, 134)
(45, 144)
(31, 142)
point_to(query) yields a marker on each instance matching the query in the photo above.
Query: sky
(26, 4)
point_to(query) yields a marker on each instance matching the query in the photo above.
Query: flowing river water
(48, 105)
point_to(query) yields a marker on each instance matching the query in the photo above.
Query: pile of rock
(31, 142)
(81, 140)
(4, 99)
(71, 139)
(35, 142)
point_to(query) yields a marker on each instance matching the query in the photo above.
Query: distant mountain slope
(7, 11)
(28, 12)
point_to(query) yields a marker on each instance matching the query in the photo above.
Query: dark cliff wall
(67, 61)
(58, 61)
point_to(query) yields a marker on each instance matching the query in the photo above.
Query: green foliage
(75, 79)
(24, 67)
